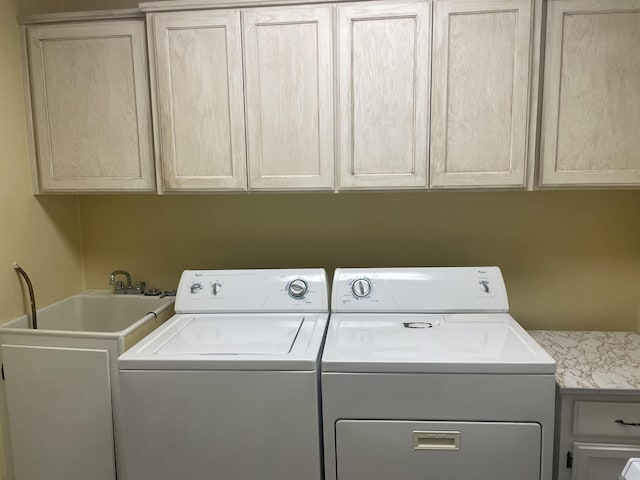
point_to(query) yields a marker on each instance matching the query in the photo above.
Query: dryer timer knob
(297, 288)
(361, 288)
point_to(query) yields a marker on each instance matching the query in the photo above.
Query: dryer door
(405, 450)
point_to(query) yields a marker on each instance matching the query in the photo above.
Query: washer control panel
(444, 289)
(210, 291)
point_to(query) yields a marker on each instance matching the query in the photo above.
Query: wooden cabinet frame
(590, 113)
(87, 97)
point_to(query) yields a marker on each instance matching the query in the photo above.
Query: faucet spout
(112, 277)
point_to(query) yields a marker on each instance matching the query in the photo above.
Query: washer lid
(220, 335)
(432, 343)
(285, 341)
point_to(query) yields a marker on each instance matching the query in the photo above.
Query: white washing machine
(426, 376)
(228, 387)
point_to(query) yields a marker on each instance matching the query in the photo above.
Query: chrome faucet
(121, 288)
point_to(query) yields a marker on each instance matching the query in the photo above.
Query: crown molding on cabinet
(122, 14)
(177, 5)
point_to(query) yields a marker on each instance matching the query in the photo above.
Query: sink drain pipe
(32, 297)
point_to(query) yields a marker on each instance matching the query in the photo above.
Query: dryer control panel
(442, 290)
(215, 291)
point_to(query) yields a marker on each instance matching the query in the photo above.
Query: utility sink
(62, 388)
(99, 311)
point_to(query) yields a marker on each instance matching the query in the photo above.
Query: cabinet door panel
(591, 93)
(593, 461)
(91, 112)
(289, 88)
(383, 94)
(200, 109)
(60, 417)
(480, 98)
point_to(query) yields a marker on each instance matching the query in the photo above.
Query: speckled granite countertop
(593, 360)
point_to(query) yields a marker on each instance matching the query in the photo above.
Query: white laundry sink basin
(75, 349)
(100, 312)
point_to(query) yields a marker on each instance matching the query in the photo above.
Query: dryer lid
(432, 343)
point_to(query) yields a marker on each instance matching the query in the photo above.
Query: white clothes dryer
(228, 387)
(425, 375)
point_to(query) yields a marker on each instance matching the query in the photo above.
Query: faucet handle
(140, 286)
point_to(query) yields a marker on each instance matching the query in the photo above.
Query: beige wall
(571, 259)
(42, 234)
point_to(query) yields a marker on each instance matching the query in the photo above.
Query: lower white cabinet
(59, 412)
(596, 435)
(600, 461)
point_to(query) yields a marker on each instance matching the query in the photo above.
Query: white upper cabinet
(383, 93)
(289, 97)
(88, 90)
(407, 94)
(482, 79)
(591, 109)
(199, 108)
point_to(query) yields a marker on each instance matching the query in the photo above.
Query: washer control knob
(196, 287)
(217, 286)
(361, 287)
(297, 288)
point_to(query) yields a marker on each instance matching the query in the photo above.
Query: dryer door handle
(436, 440)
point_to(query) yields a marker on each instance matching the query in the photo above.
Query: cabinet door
(591, 118)
(383, 83)
(593, 461)
(90, 102)
(60, 417)
(199, 99)
(289, 93)
(480, 96)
